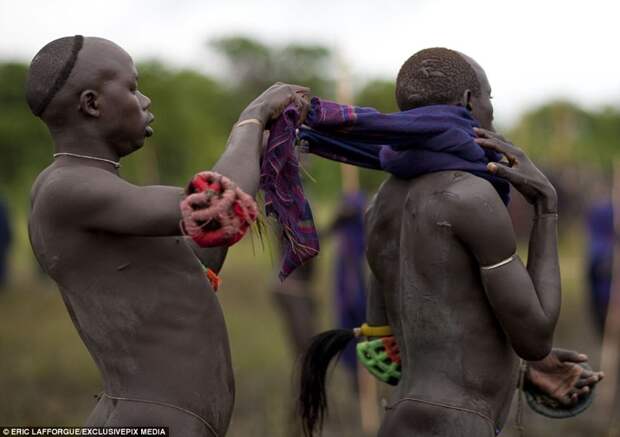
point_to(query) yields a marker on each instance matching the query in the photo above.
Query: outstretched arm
(98, 200)
(240, 162)
(241, 159)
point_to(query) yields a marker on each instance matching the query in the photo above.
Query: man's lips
(148, 130)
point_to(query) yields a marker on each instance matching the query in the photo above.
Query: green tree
(25, 144)
(563, 134)
(378, 94)
(253, 66)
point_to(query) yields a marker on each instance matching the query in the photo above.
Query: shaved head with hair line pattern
(49, 70)
(434, 76)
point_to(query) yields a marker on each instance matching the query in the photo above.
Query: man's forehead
(104, 47)
(100, 55)
(480, 73)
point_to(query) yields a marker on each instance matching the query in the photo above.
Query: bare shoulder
(60, 190)
(479, 217)
(61, 181)
(470, 196)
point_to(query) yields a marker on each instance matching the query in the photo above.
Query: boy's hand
(560, 376)
(520, 171)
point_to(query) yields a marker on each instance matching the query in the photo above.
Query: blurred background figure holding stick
(610, 349)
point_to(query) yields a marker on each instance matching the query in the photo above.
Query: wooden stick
(368, 400)
(344, 94)
(610, 359)
(350, 184)
(350, 178)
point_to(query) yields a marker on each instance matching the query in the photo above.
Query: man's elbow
(535, 349)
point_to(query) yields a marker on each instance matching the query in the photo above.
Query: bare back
(453, 349)
(143, 308)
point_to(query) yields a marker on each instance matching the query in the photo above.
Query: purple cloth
(350, 296)
(284, 194)
(406, 144)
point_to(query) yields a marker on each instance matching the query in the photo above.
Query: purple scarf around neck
(406, 144)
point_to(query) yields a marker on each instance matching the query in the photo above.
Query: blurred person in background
(350, 270)
(600, 227)
(295, 296)
(296, 303)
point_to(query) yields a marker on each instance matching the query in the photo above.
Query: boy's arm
(558, 374)
(525, 301)
(97, 200)
(240, 162)
(527, 308)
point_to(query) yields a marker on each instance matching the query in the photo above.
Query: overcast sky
(532, 50)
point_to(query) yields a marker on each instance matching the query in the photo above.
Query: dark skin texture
(461, 329)
(132, 284)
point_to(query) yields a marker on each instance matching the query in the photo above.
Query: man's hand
(560, 376)
(519, 171)
(270, 104)
(241, 160)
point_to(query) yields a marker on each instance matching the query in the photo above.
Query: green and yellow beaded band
(379, 356)
(372, 331)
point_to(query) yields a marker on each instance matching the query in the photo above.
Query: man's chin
(134, 147)
(137, 145)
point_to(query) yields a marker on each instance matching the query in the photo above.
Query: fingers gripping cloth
(216, 212)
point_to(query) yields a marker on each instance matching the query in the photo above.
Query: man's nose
(146, 102)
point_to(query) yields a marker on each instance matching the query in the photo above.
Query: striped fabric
(406, 144)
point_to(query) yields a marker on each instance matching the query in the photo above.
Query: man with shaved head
(446, 276)
(446, 280)
(134, 287)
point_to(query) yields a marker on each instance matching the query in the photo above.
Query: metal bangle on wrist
(248, 121)
(546, 215)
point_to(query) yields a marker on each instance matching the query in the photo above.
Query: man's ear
(466, 99)
(89, 103)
